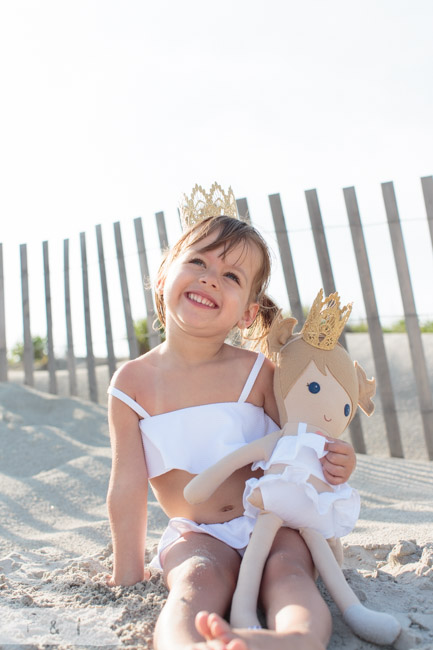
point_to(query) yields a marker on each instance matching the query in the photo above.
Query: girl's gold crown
(204, 204)
(325, 321)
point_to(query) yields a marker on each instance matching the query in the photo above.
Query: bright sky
(110, 110)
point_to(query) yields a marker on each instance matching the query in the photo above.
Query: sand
(55, 541)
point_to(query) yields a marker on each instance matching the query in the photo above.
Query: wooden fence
(389, 409)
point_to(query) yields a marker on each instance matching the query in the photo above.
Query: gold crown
(204, 204)
(325, 322)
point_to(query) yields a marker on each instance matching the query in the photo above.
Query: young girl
(180, 408)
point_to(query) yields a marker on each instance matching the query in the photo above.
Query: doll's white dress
(296, 501)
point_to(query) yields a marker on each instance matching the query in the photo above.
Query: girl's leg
(289, 593)
(201, 573)
(297, 616)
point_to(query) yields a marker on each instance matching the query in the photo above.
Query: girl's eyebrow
(194, 250)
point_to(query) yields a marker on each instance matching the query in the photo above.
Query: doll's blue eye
(313, 387)
(346, 410)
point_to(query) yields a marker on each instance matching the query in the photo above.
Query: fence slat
(50, 341)
(106, 304)
(91, 373)
(28, 343)
(130, 332)
(3, 346)
(427, 188)
(243, 211)
(320, 241)
(374, 326)
(154, 337)
(286, 257)
(410, 315)
(325, 266)
(72, 372)
(162, 231)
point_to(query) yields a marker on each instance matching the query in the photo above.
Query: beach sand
(55, 541)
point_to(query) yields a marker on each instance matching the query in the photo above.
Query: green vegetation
(397, 327)
(40, 351)
(142, 335)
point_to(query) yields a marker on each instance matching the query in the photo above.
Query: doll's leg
(337, 549)
(377, 627)
(328, 568)
(244, 603)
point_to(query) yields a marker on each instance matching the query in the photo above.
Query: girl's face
(209, 291)
(319, 400)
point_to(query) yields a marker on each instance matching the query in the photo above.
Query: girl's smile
(202, 300)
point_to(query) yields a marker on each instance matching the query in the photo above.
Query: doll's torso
(292, 494)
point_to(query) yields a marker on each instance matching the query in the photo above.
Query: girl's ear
(249, 316)
(367, 390)
(281, 331)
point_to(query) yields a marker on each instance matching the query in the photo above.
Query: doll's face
(319, 400)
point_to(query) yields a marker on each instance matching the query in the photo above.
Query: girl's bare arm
(127, 495)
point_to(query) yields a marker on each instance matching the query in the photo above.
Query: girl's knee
(281, 565)
(289, 556)
(200, 570)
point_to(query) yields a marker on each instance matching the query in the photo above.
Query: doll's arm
(202, 486)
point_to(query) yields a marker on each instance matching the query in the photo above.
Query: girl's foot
(214, 628)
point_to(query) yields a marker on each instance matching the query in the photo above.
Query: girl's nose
(209, 278)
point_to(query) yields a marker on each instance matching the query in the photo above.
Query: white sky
(111, 109)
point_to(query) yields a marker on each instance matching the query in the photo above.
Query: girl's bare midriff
(222, 506)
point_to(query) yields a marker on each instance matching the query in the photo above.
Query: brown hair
(230, 234)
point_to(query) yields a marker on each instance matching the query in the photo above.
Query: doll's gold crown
(325, 321)
(202, 204)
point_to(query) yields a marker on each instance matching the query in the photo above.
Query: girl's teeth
(201, 300)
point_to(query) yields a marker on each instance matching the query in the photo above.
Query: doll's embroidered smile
(201, 300)
(327, 419)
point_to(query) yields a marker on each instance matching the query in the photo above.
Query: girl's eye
(233, 276)
(197, 260)
(313, 387)
(347, 410)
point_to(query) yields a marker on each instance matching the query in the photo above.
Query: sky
(112, 109)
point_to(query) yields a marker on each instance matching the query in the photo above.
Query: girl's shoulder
(265, 378)
(262, 392)
(134, 373)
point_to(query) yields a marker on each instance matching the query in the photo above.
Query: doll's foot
(214, 628)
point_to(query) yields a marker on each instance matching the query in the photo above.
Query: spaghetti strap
(252, 377)
(128, 400)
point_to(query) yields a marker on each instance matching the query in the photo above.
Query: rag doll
(317, 388)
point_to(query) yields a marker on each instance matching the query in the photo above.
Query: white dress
(194, 438)
(290, 496)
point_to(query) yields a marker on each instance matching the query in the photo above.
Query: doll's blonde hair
(293, 355)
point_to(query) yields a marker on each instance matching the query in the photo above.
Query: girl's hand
(109, 580)
(340, 461)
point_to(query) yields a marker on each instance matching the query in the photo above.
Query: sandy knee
(202, 570)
